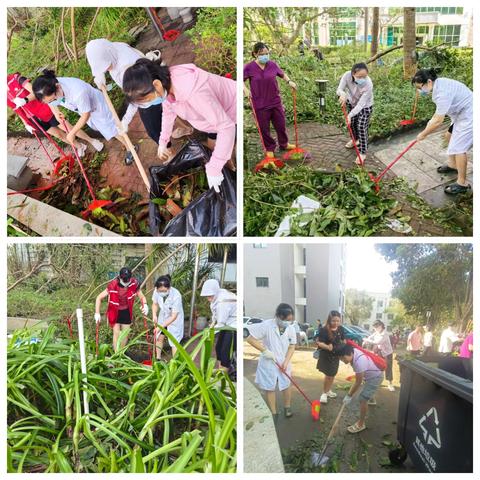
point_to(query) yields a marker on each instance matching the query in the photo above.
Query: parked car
(249, 321)
(353, 334)
(360, 330)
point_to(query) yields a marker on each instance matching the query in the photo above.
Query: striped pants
(359, 124)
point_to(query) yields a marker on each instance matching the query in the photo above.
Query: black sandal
(446, 169)
(129, 156)
(455, 189)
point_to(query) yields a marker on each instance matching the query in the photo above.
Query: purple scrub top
(263, 84)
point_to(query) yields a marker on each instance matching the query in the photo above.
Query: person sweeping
(167, 311)
(121, 293)
(207, 101)
(21, 99)
(114, 58)
(276, 340)
(261, 75)
(368, 378)
(223, 305)
(79, 97)
(355, 92)
(455, 100)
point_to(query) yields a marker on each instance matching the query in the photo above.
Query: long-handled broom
(297, 150)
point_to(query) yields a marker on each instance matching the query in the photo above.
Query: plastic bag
(211, 214)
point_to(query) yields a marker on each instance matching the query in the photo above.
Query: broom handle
(256, 123)
(332, 430)
(414, 111)
(130, 146)
(293, 381)
(344, 108)
(391, 164)
(294, 94)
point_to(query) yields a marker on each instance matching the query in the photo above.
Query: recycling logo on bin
(430, 427)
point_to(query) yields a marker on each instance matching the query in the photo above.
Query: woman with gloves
(79, 97)
(167, 311)
(455, 100)
(115, 57)
(276, 340)
(355, 91)
(121, 293)
(262, 75)
(207, 101)
(223, 305)
(368, 378)
(22, 101)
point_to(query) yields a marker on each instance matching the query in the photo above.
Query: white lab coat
(446, 340)
(80, 97)
(224, 309)
(118, 56)
(167, 306)
(268, 374)
(455, 99)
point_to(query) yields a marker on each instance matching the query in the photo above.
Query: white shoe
(323, 398)
(372, 401)
(81, 149)
(391, 388)
(97, 145)
(331, 394)
(350, 144)
(363, 156)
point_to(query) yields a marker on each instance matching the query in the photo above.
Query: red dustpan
(297, 150)
(266, 162)
(411, 121)
(314, 405)
(95, 202)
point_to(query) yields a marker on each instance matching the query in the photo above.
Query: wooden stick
(332, 431)
(130, 146)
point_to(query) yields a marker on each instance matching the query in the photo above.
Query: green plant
(175, 417)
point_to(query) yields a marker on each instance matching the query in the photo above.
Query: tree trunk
(409, 43)
(365, 29)
(375, 30)
(74, 36)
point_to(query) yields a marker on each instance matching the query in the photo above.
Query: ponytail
(45, 85)
(424, 75)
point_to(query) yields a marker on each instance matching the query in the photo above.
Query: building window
(394, 35)
(366, 326)
(380, 303)
(379, 316)
(262, 282)
(390, 316)
(442, 10)
(449, 34)
(389, 328)
(342, 33)
(259, 245)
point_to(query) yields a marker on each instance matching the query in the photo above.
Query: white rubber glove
(342, 98)
(97, 317)
(215, 182)
(163, 152)
(19, 102)
(29, 129)
(100, 80)
(292, 84)
(121, 129)
(144, 309)
(268, 355)
(347, 399)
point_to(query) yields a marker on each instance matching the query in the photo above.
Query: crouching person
(276, 340)
(368, 377)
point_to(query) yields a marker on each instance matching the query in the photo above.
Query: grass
(176, 417)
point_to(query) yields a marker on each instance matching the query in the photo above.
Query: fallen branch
(74, 36)
(97, 11)
(397, 47)
(35, 269)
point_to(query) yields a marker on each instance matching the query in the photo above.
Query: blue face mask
(423, 92)
(263, 58)
(156, 101)
(360, 81)
(57, 102)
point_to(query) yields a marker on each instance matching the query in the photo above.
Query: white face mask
(163, 294)
(124, 284)
(283, 323)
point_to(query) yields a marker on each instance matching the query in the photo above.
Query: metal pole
(83, 363)
(224, 265)
(194, 289)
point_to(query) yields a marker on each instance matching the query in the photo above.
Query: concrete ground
(299, 436)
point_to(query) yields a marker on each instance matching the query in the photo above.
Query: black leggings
(389, 369)
(152, 120)
(226, 345)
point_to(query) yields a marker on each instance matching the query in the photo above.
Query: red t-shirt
(34, 107)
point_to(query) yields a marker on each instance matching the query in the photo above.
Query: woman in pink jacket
(207, 101)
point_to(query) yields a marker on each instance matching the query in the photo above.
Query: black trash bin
(435, 419)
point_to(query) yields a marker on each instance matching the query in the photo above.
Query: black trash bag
(211, 214)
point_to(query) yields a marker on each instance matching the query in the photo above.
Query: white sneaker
(372, 401)
(331, 394)
(81, 149)
(391, 388)
(323, 398)
(97, 145)
(350, 144)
